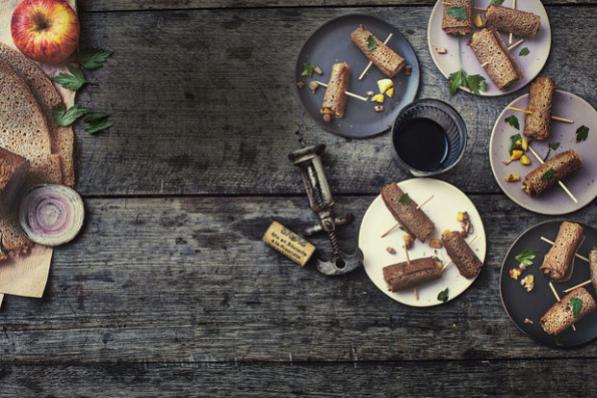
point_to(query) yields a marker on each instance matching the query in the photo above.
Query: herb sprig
(513, 121)
(525, 257)
(405, 199)
(576, 305)
(444, 295)
(582, 133)
(475, 83)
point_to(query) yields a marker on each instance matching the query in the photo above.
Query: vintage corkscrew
(308, 160)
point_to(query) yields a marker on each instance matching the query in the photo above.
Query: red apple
(45, 30)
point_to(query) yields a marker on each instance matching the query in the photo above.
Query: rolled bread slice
(593, 266)
(407, 274)
(461, 254)
(490, 50)
(62, 138)
(510, 20)
(388, 61)
(561, 316)
(557, 263)
(454, 25)
(537, 123)
(406, 212)
(13, 173)
(549, 173)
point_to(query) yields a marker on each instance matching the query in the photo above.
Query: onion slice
(51, 215)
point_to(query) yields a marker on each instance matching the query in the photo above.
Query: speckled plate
(331, 44)
(520, 305)
(582, 184)
(442, 210)
(530, 65)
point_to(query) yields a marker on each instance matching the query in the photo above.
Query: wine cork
(290, 244)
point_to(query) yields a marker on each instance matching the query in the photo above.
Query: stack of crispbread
(27, 129)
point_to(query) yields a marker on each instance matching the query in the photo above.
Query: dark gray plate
(520, 305)
(331, 44)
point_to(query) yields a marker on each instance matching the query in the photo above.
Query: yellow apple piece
(384, 85)
(379, 98)
(390, 92)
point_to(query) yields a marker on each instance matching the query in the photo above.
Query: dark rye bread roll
(560, 316)
(537, 123)
(334, 99)
(490, 50)
(461, 254)
(453, 25)
(510, 20)
(62, 138)
(414, 220)
(407, 275)
(593, 266)
(557, 263)
(550, 172)
(388, 61)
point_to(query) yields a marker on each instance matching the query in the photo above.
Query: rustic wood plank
(413, 379)
(110, 5)
(189, 279)
(203, 101)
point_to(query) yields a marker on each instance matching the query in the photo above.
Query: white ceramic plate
(582, 184)
(530, 65)
(442, 210)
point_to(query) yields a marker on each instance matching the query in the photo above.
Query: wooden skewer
(398, 224)
(370, 62)
(585, 283)
(556, 118)
(583, 258)
(513, 46)
(406, 253)
(559, 182)
(555, 293)
(510, 36)
(353, 95)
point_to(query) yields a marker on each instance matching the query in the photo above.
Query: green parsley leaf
(554, 145)
(524, 52)
(405, 199)
(576, 306)
(65, 118)
(513, 121)
(308, 70)
(475, 83)
(103, 124)
(71, 81)
(525, 257)
(458, 13)
(92, 59)
(456, 80)
(582, 133)
(443, 295)
(514, 142)
(497, 2)
(548, 174)
(371, 43)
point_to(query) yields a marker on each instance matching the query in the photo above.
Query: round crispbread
(62, 138)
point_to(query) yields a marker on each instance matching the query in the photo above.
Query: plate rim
(397, 110)
(472, 281)
(514, 242)
(499, 181)
(466, 90)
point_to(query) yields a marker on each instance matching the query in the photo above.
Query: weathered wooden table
(169, 290)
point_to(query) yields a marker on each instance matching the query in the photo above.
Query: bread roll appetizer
(538, 122)
(557, 263)
(405, 211)
(461, 254)
(334, 99)
(454, 22)
(510, 20)
(490, 50)
(570, 309)
(593, 266)
(383, 57)
(549, 173)
(407, 275)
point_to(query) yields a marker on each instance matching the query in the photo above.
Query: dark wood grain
(531, 378)
(189, 279)
(111, 5)
(204, 103)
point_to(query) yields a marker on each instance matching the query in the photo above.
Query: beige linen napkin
(27, 276)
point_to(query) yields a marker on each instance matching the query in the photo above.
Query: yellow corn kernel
(379, 98)
(524, 159)
(460, 216)
(516, 154)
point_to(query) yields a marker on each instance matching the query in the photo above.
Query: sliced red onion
(52, 215)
